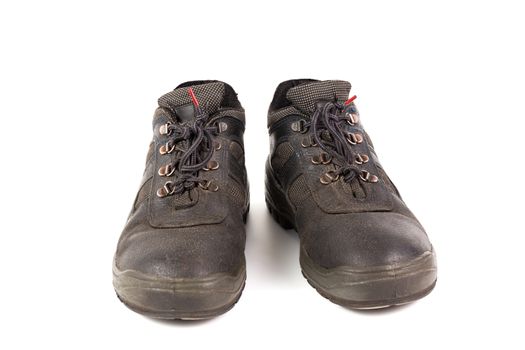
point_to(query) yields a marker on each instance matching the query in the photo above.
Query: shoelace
(193, 149)
(329, 133)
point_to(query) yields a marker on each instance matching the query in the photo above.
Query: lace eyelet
(367, 177)
(222, 127)
(208, 186)
(166, 148)
(354, 138)
(161, 192)
(164, 129)
(322, 158)
(165, 190)
(212, 165)
(352, 118)
(166, 170)
(218, 146)
(361, 159)
(299, 126)
(328, 177)
(306, 142)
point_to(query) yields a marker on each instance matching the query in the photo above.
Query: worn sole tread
(358, 305)
(179, 298)
(184, 316)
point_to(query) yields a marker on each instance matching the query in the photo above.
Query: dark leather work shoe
(181, 254)
(361, 247)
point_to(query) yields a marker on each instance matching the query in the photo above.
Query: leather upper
(358, 224)
(199, 232)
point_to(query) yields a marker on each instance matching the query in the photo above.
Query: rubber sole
(371, 288)
(179, 298)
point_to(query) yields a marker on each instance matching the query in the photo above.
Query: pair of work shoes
(181, 254)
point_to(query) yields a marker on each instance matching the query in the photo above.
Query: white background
(440, 89)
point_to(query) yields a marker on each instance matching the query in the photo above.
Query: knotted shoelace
(192, 145)
(328, 131)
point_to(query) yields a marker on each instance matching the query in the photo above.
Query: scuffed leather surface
(195, 251)
(163, 240)
(336, 229)
(361, 240)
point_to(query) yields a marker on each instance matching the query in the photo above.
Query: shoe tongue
(179, 102)
(305, 96)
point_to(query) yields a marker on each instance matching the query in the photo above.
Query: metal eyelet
(222, 127)
(166, 148)
(361, 159)
(367, 177)
(165, 190)
(164, 129)
(208, 186)
(218, 146)
(352, 118)
(166, 170)
(322, 158)
(354, 138)
(299, 126)
(212, 165)
(328, 177)
(308, 141)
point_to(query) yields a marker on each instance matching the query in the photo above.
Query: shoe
(360, 246)
(181, 254)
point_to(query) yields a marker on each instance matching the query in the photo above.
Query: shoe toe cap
(181, 253)
(367, 240)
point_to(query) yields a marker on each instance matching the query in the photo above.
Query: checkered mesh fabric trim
(236, 192)
(282, 153)
(210, 96)
(298, 191)
(306, 95)
(279, 114)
